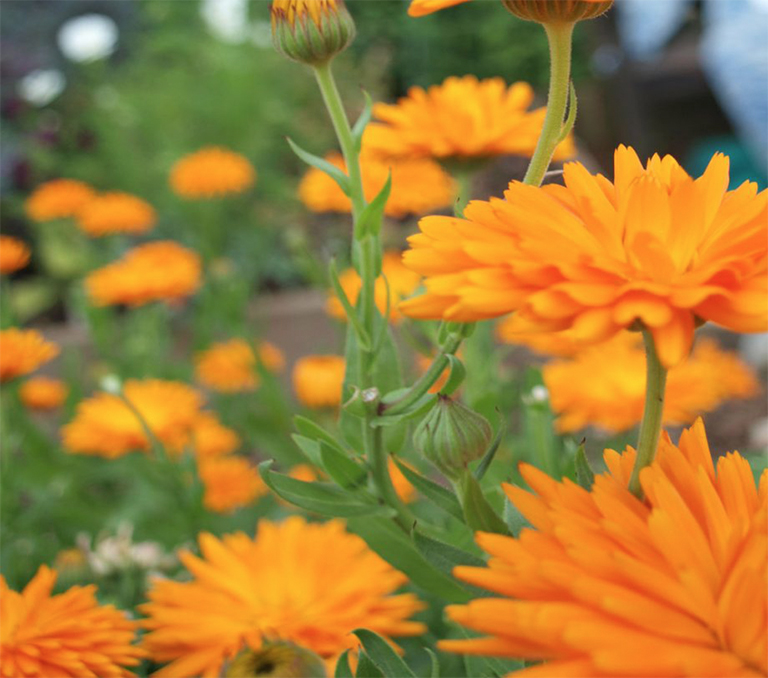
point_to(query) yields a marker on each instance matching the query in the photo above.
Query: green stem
(428, 379)
(560, 38)
(335, 107)
(650, 429)
(464, 182)
(366, 252)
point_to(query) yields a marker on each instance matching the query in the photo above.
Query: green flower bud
(557, 11)
(451, 436)
(283, 660)
(311, 31)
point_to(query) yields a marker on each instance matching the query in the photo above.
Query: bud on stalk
(451, 436)
(282, 660)
(311, 31)
(557, 11)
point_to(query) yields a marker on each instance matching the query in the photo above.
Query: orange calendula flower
(461, 119)
(43, 393)
(210, 438)
(317, 380)
(533, 10)
(115, 212)
(104, 425)
(230, 483)
(594, 257)
(401, 282)
(230, 366)
(22, 352)
(14, 254)
(67, 634)
(157, 271)
(418, 186)
(282, 584)
(606, 584)
(604, 385)
(211, 172)
(58, 199)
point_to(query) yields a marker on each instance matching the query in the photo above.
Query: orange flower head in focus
(604, 385)
(22, 352)
(105, 425)
(211, 172)
(230, 366)
(282, 584)
(418, 186)
(43, 393)
(461, 119)
(157, 271)
(210, 438)
(318, 380)
(67, 634)
(606, 584)
(14, 254)
(544, 11)
(115, 212)
(58, 199)
(230, 483)
(654, 247)
(401, 281)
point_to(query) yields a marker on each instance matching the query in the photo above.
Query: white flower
(88, 37)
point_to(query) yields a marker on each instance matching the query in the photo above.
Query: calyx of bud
(275, 659)
(557, 11)
(451, 436)
(311, 31)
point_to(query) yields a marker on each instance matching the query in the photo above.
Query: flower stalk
(650, 429)
(366, 251)
(560, 37)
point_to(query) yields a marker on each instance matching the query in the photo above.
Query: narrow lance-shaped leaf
(323, 165)
(585, 476)
(437, 494)
(342, 666)
(362, 122)
(383, 655)
(341, 295)
(369, 223)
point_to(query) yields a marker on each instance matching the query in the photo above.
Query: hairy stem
(560, 38)
(650, 429)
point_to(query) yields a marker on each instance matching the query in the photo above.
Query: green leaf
(362, 121)
(342, 666)
(418, 409)
(437, 494)
(585, 476)
(396, 547)
(383, 655)
(573, 108)
(311, 448)
(322, 498)
(323, 165)
(313, 430)
(366, 668)
(350, 425)
(435, 664)
(345, 471)
(362, 335)
(485, 462)
(478, 513)
(444, 556)
(456, 375)
(369, 222)
(513, 518)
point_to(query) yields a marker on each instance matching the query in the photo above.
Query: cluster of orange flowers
(231, 366)
(318, 380)
(110, 425)
(22, 352)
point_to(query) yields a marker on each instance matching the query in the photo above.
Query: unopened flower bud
(557, 11)
(276, 659)
(451, 436)
(311, 31)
